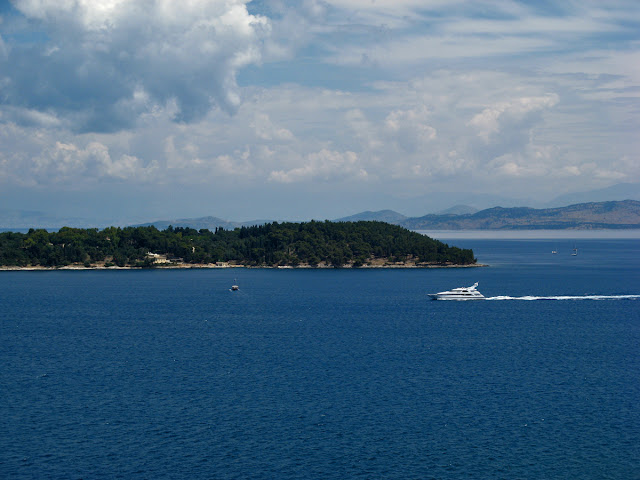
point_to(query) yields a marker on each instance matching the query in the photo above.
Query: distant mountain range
(594, 215)
(440, 202)
(388, 216)
(458, 210)
(24, 219)
(621, 191)
(471, 211)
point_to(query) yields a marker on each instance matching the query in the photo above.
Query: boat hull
(445, 297)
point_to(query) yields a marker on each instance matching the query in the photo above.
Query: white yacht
(461, 293)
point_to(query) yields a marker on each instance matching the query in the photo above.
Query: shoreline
(210, 266)
(534, 234)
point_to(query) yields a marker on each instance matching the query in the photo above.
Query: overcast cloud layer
(143, 109)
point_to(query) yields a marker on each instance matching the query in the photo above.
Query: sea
(328, 373)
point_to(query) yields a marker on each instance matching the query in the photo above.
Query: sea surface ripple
(330, 374)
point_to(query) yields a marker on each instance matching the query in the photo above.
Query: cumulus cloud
(365, 131)
(188, 159)
(517, 165)
(419, 132)
(494, 95)
(64, 161)
(323, 165)
(516, 111)
(410, 129)
(266, 130)
(31, 117)
(105, 62)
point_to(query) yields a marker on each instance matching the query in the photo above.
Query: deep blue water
(327, 374)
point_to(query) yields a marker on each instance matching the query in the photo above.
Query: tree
(335, 243)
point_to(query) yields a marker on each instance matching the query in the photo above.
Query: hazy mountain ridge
(25, 219)
(458, 210)
(388, 216)
(594, 215)
(618, 192)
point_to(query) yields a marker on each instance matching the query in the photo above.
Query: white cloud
(66, 162)
(120, 58)
(493, 118)
(324, 165)
(616, 73)
(189, 161)
(365, 131)
(419, 132)
(239, 165)
(32, 117)
(266, 130)
(394, 14)
(414, 49)
(522, 99)
(409, 128)
(517, 165)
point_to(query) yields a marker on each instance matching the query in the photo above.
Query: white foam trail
(569, 297)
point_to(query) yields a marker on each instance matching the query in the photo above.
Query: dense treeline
(311, 243)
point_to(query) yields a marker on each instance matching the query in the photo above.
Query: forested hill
(275, 244)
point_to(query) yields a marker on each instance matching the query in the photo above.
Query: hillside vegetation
(287, 244)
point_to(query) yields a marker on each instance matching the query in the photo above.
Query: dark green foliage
(312, 243)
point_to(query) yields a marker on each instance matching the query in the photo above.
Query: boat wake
(570, 297)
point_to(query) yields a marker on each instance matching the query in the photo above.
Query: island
(313, 244)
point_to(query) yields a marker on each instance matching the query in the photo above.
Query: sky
(138, 110)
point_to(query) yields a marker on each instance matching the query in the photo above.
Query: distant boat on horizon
(575, 251)
(235, 286)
